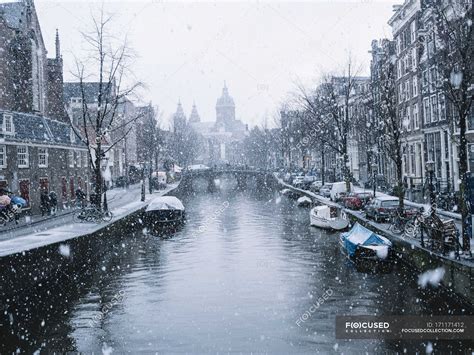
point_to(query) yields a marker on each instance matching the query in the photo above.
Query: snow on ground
(70, 230)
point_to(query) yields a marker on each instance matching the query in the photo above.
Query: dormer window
(6, 124)
(72, 136)
(76, 100)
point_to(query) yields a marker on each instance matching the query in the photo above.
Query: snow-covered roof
(387, 198)
(32, 128)
(165, 203)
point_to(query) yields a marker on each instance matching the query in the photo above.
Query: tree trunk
(98, 177)
(400, 187)
(323, 165)
(466, 243)
(345, 169)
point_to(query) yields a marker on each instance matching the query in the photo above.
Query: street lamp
(374, 172)
(143, 183)
(430, 166)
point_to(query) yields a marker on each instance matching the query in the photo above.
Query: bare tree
(327, 110)
(454, 32)
(100, 126)
(389, 125)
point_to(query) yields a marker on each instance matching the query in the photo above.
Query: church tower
(225, 108)
(179, 119)
(194, 117)
(55, 100)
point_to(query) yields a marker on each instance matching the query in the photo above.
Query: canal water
(238, 277)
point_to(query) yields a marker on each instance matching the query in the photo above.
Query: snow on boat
(328, 217)
(304, 201)
(362, 244)
(164, 210)
(285, 191)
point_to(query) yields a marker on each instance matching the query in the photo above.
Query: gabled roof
(29, 128)
(91, 91)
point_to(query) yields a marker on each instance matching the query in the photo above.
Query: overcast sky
(186, 50)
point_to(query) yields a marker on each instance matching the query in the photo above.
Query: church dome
(225, 100)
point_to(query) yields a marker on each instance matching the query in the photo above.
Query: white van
(338, 190)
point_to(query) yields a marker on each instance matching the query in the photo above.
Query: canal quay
(246, 273)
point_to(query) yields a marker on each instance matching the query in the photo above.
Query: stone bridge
(262, 177)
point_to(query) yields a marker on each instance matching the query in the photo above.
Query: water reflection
(236, 282)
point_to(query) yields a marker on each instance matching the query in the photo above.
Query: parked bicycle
(92, 214)
(398, 222)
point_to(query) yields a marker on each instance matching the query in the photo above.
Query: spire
(58, 45)
(194, 117)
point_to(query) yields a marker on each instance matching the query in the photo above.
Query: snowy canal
(245, 274)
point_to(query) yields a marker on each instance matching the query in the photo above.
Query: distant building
(222, 139)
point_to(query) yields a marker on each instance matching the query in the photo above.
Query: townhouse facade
(422, 102)
(40, 155)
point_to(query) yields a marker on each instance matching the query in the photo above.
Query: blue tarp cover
(360, 235)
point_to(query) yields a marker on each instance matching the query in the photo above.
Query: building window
(71, 158)
(426, 110)
(434, 108)
(442, 107)
(22, 156)
(416, 121)
(6, 124)
(85, 159)
(78, 159)
(412, 160)
(415, 86)
(433, 79)
(72, 136)
(413, 31)
(3, 156)
(42, 157)
(424, 80)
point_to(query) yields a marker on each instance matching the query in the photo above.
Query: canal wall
(459, 274)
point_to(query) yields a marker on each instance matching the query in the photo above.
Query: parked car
(381, 208)
(356, 200)
(366, 197)
(316, 186)
(121, 181)
(298, 181)
(325, 190)
(339, 190)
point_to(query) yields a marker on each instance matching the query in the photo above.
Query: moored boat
(361, 244)
(304, 201)
(164, 211)
(328, 217)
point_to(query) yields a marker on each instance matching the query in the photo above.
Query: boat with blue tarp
(361, 244)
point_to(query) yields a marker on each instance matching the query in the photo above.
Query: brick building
(38, 150)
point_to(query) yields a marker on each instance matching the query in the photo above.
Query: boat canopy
(165, 203)
(323, 211)
(304, 199)
(360, 235)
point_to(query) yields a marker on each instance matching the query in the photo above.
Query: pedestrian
(80, 197)
(45, 203)
(53, 200)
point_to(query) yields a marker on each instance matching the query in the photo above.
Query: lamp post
(430, 166)
(143, 183)
(374, 172)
